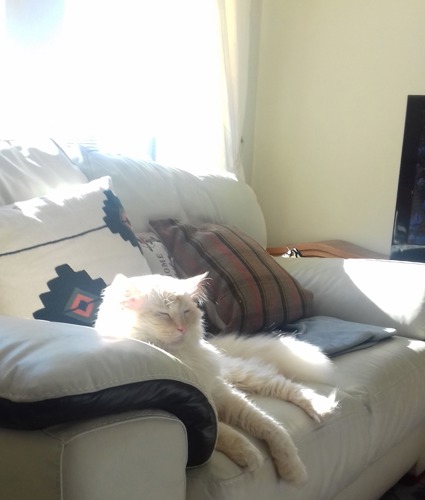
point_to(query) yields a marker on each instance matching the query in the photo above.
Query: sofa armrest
(380, 292)
(116, 456)
(52, 373)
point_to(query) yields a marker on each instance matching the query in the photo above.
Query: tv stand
(329, 248)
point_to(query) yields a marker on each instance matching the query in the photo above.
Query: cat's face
(170, 319)
(165, 309)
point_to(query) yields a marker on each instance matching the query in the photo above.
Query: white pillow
(156, 254)
(34, 169)
(58, 252)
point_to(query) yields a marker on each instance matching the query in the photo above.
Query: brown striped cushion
(248, 291)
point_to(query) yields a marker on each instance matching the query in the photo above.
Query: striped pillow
(248, 291)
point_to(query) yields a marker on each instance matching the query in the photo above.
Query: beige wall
(333, 80)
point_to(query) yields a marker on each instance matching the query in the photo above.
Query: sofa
(88, 418)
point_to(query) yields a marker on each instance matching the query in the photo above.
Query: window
(136, 76)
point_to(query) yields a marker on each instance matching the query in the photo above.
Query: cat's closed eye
(163, 314)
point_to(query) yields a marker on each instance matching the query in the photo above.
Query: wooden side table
(329, 248)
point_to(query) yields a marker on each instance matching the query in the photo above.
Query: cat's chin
(176, 340)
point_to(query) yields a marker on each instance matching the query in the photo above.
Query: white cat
(164, 311)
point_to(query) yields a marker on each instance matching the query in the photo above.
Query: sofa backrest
(34, 168)
(149, 191)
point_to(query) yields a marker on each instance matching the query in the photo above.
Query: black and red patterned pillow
(58, 252)
(248, 291)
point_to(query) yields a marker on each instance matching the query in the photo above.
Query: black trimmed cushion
(54, 373)
(248, 291)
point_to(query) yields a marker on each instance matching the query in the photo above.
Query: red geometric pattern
(81, 304)
(74, 297)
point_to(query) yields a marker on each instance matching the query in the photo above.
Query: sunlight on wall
(333, 81)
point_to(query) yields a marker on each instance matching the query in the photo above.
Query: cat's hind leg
(237, 447)
(235, 409)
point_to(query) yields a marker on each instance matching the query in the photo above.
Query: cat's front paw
(317, 406)
(292, 471)
(250, 458)
(238, 448)
(324, 405)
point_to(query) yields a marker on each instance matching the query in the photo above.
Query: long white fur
(164, 311)
(292, 357)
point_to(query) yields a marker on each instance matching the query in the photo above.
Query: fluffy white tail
(293, 358)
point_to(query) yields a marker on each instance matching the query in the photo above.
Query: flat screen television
(408, 242)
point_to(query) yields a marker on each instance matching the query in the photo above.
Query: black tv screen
(408, 241)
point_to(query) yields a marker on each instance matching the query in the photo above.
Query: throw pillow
(156, 254)
(248, 291)
(58, 252)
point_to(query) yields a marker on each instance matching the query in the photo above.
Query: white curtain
(163, 77)
(235, 30)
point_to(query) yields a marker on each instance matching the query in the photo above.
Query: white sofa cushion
(106, 458)
(150, 191)
(47, 382)
(380, 390)
(388, 380)
(58, 252)
(33, 169)
(156, 254)
(339, 445)
(388, 293)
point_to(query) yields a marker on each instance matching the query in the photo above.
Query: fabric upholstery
(378, 292)
(31, 169)
(98, 459)
(156, 254)
(150, 191)
(69, 372)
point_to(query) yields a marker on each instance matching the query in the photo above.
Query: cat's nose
(181, 329)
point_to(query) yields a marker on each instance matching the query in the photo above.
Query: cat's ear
(197, 287)
(133, 298)
(124, 287)
(133, 302)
